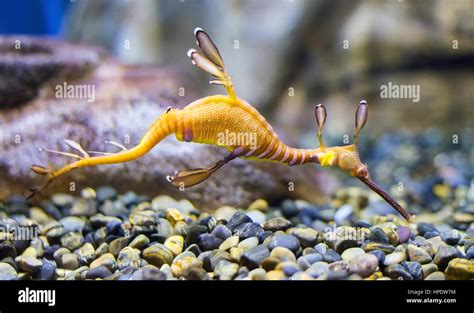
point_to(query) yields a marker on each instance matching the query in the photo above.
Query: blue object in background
(33, 17)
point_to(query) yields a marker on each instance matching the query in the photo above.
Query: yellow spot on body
(328, 158)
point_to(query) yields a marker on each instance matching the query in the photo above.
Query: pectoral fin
(188, 178)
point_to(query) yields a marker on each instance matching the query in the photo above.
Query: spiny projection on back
(228, 122)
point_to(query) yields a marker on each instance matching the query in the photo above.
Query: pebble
(142, 218)
(72, 224)
(7, 272)
(70, 261)
(287, 241)
(222, 232)
(304, 262)
(105, 193)
(380, 255)
(460, 269)
(429, 268)
(129, 257)
(363, 264)
(98, 272)
(248, 230)
(86, 253)
(140, 242)
(423, 228)
(248, 243)
(259, 204)
(48, 270)
(378, 235)
(283, 254)
(269, 263)
(253, 257)
(351, 253)
(371, 246)
(393, 258)
(7, 249)
(158, 255)
(451, 237)
(226, 270)
(276, 224)
(470, 253)
(238, 219)
(183, 263)
(403, 233)
(397, 271)
(236, 254)
(193, 233)
(256, 216)
(107, 260)
(435, 243)
(275, 275)
(288, 267)
(208, 242)
(444, 255)
(117, 245)
(331, 256)
(317, 269)
(415, 270)
(417, 254)
(175, 244)
(72, 241)
(230, 242)
(28, 264)
(307, 237)
(436, 276)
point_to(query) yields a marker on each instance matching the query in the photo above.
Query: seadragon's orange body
(210, 120)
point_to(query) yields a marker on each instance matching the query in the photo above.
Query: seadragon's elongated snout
(347, 157)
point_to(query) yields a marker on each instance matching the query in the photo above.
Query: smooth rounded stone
(317, 269)
(435, 243)
(181, 228)
(105, 193)
(460, 269)
(230, 242)
(248, 230)
(363, 264)
(310, 251)
(236, 254)
(331, 256)
(286, 241)
(275, 275)
(72, 224)
(302, 276)
(140, 242)
(128, 257)
(59, 253)
(371, 246)
(102, 249)
(446, 254)
(378, 235)
(208, 242)
(257, 274)
(429, 268)
(194, 232)
(151, 272)
(28, 264)
(7, 249)
(397, 271)
(269, 263)
(48, 270)
(174, 215)
(215, 257)
(62, 199)
(142, 218)
(418, 254)
(86, 253)
(307, 237)
(259, 204)
(175, 244)
(248, 243)
(70, 261)
(183, 263)
(288, 267)
(39, 216)
(379, 254)
(344, 237)
(7, 272)
(431, 234)
(98, 272)
(194, 248)
(54, 231)
(83, 207)
(415, 270)
(393, 258)
(196, 273)
(238, 219)
(158, 255)
(351, 253)
(117, 245)
(436, 276)
(470, 253)
(225, 212)
(107, 260)
(343, 214)
(163, 202)
(226, 270)
(320, 248)
(72, 241)
(222, 232)
(403, 233)
(101, 220)
(30, 251)
(305, 261)
(256, 216)
(283, 254)
(423, 228)
(451, 237)
(100, 235)
(253, 257)
(276, 224)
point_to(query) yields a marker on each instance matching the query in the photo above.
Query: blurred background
(285, 56)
